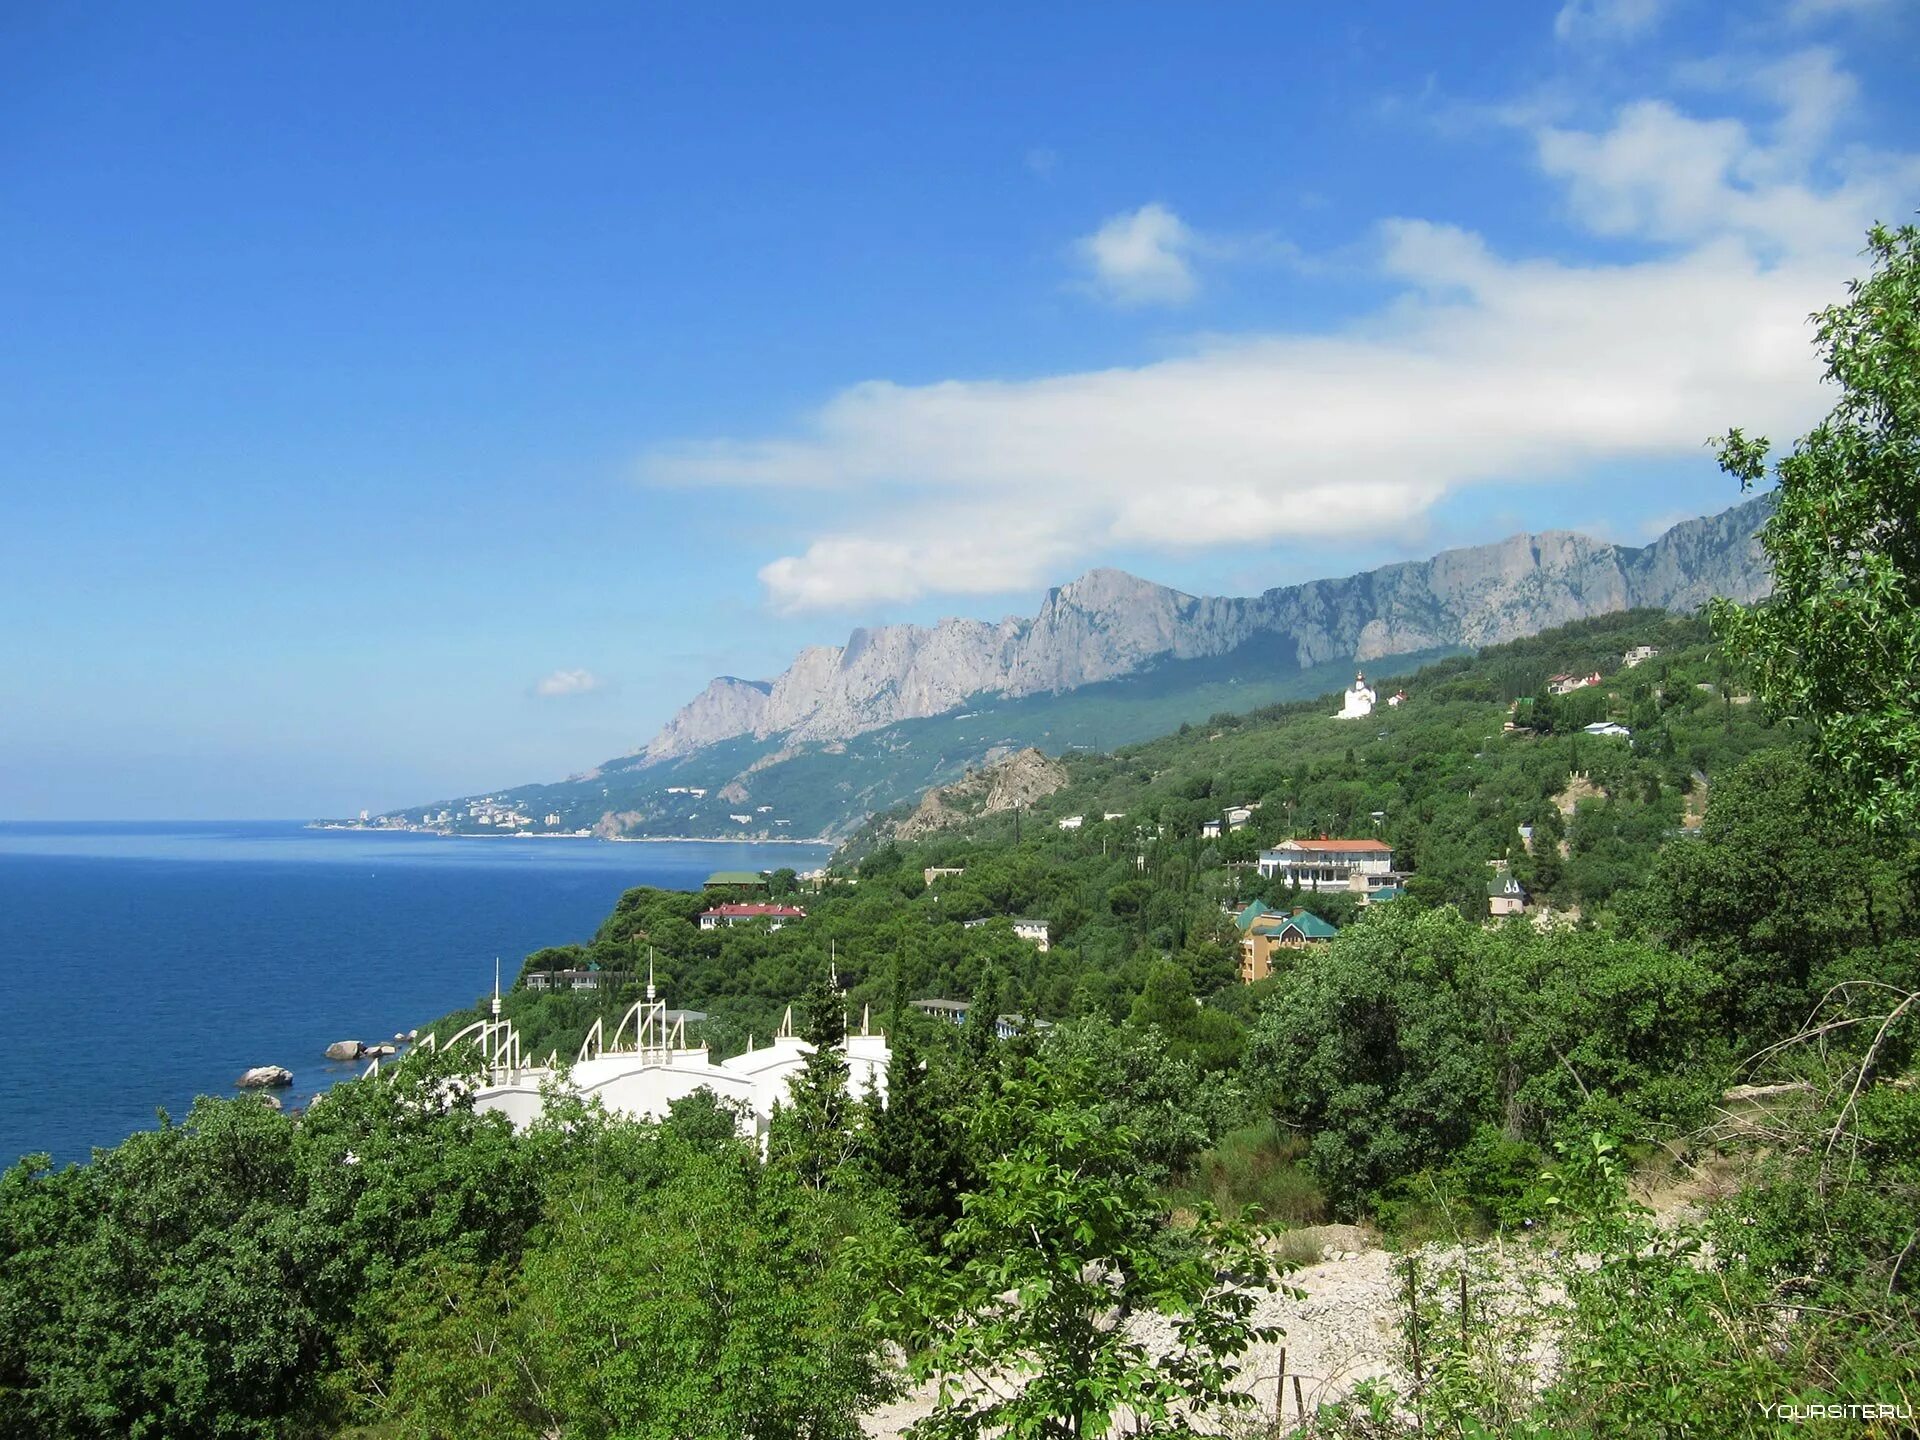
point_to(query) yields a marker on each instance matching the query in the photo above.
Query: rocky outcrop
(268, 1077)
(1107, 624)
(345, 1050)
(1013, 783)
(727, 707)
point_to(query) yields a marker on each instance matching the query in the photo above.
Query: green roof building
(736, 879)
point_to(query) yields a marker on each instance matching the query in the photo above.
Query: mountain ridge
(1109, 623)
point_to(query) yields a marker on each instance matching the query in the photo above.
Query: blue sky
(399, 401)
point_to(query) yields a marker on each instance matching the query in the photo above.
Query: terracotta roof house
(731, 915)
(1326, 864)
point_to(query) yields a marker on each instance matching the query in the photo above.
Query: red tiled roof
(1341, 846)
(779, 912)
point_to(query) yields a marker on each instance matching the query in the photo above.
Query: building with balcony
(1329, 864)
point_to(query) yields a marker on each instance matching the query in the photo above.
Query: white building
(1073, 822)
(1639, 655)
(1328, 864)
(731, 915)
(1609, 728)
(1358, 701)
(1034, 931)
(648, 1065)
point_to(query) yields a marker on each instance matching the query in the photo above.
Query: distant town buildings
(940, 872)
(1608, 728)
(1072, 822)
(1638, 655)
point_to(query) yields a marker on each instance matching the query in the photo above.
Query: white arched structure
(648, 1065)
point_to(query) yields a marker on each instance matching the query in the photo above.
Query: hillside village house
(589, 979)
(954, 1012)
(1262, 931)
(1035, 932)
(1639, 655)
(731, 915)
(940, 872)
(1611, 729)
(1567, 684)
(735, 880)
(1073, 822)
(1505, 896)
(1329, 864)
(1032, 931)
(1211, 829)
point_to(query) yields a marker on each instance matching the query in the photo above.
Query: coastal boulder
(265, 1077)
(345, 1050)
(380, 1052)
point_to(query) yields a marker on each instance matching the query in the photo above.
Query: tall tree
(1838, 645)
(814, 1132)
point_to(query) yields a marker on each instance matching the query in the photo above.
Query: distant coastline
(356, 828)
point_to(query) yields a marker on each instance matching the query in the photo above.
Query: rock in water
(265, 1077)
(345, 1050)
(380, 1052)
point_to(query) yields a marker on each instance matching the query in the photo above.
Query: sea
(142, 964)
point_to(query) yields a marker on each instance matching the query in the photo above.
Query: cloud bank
(1482, 368)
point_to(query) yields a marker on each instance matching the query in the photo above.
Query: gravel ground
(1344, 1328)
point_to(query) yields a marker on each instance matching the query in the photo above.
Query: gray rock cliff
(1108, 623)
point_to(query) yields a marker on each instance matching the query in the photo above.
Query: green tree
(1023, 1320)
(1838, 645)
(815, 1133)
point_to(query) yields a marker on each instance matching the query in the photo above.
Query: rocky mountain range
(1109, 624)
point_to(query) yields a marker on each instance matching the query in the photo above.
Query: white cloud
(567, 682)
(1606, 19)
(1142, 258)
(1483, 368)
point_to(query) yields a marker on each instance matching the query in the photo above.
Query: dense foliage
(1839, 643)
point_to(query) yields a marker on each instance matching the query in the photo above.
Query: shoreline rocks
(274, 1077)
(345, 1050)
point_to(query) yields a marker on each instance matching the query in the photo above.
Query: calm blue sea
(143, 964)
